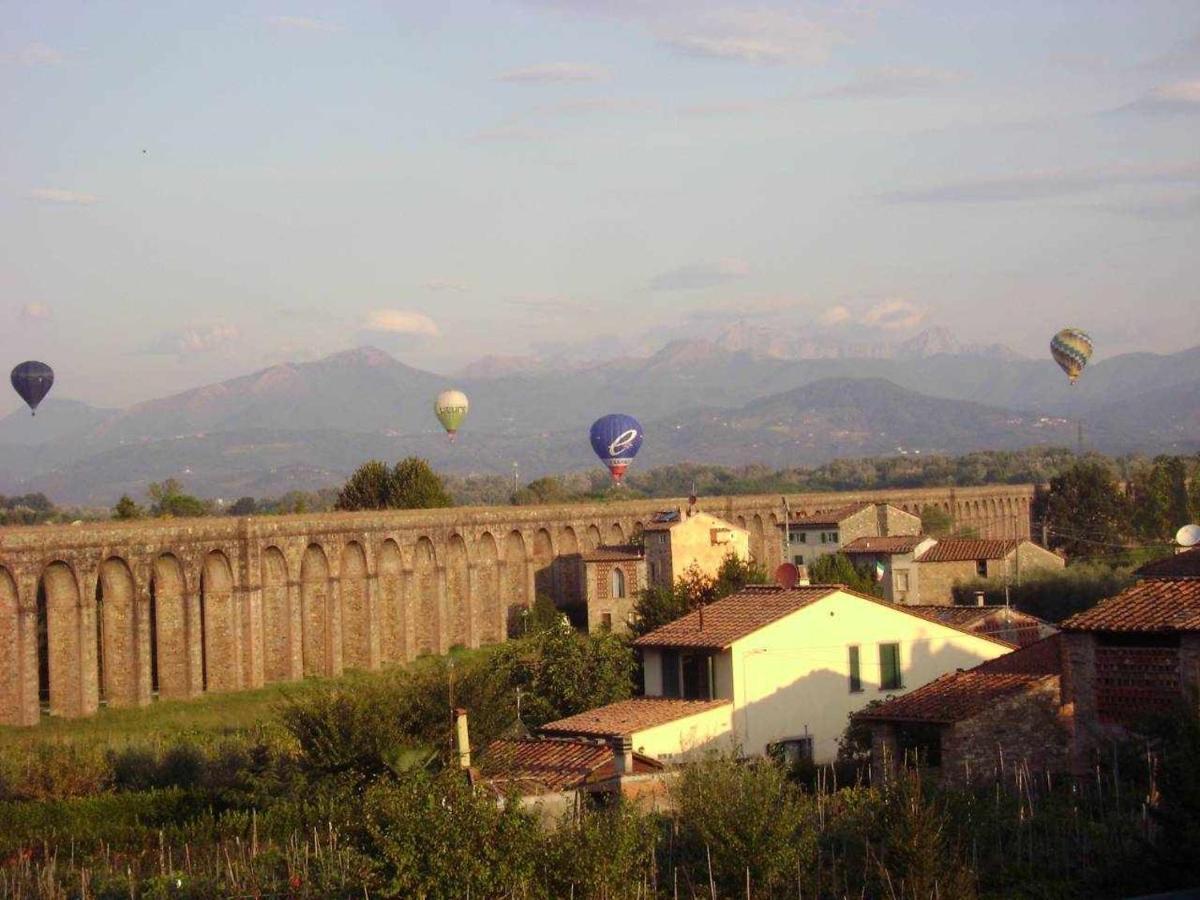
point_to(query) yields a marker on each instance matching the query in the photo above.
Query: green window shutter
(889, 666)
(855, 672)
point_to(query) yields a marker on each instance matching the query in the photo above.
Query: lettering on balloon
(623, 442)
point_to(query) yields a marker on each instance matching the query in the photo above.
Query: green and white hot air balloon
(451, 408)
(1071, 349)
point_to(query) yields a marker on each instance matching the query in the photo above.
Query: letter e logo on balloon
(623, 442)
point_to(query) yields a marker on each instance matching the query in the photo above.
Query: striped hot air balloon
(1071, 349)
(451, 408)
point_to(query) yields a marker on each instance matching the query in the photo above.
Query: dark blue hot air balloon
(616, 439)
(32, 380)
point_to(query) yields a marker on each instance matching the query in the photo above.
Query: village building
(891, 559)
(811, 536)
(612, 575)
(1184, 564)
(772, 667)
(996, 621)
(676, 542)
(970, 725)
(953, 561)
(1131, 656)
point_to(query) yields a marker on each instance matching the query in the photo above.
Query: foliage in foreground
(656, 606)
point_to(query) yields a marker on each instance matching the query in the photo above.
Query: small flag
(878, 570)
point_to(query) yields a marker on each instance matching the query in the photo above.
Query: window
(855, 671)
(606, 621)
(981, 568)
(901, 581)
(653, 571)
(833, 537)
(798, 559)
(793, 751)
(824, 537)
(696, 669)
(804, 537)
(670, 673)
(617, 584)
(889, 667)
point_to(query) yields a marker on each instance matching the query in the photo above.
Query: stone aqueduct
(122, 613)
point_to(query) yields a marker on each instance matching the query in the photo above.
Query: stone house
(971, 725)
(892, 558)
(809, 537)
(676, 542)
(954, 561)
(1130, 656)
(612, 575)
(769, 666)
(1001, 622)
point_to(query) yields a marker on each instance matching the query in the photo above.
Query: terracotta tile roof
(954, 697)
(1153, 604)
(1042, 657)
(831, 517)
(539, 766)
(1178, 565)
(962, 549)
(899, 543)
(629, 716)
(966, 616)
(755, 606)
(734, 617)
(614, 553)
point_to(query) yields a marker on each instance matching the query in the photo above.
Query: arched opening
(277, 617)
(122, 654)
(428, 623)
(616, 534)
(316, 656)
(175, 623)
(617, 587)
(356, 622)
(757, 548)
(391, 603)
(516, 580)
(221, 657)
(543, 571)
(66, 638)
(18, 704)
(43, 648)
(593, 539)
(458, 593)
(490, 627)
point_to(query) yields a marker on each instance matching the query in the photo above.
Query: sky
(193, 191)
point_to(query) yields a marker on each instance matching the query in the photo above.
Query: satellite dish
(786, 575)
(1188, 536)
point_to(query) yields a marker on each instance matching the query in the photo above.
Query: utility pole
(516, 476)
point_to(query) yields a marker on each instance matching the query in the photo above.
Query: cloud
(835, 315)
(552, 73)
(1178, 97)
(763, 36)
(700, 275)
(63, 197)
(401, 321)
(444, 284)
(194, 339)
(36, 312)
(896, 314)
(302, 23)
(35, 54)
(509, 134)
(1042, 185)
(891, 82)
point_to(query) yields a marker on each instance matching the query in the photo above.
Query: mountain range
(742, 397)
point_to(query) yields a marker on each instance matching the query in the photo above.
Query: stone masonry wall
(233, 603)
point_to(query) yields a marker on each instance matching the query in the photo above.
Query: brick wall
(597, 578)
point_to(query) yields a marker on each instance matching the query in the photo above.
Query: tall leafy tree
(837, 568)
(126, 508)
(1162, 501)
(1086, 512)
(369, 487)
(416, 486)
(168, 499)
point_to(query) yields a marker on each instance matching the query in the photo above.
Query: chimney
(979, 598)
(623, 755)
(462, 739)
(802, 576)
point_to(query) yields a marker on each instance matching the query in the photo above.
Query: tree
(543, 490)
(126, 508)
(836, 568)
(416, 486)
(244, 506)
(1162, 503)
(656, 606)
(168, 499)
(1086, 513)
(369, 487)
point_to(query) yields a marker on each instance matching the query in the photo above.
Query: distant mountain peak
(362, 356)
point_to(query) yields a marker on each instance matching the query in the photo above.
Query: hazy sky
(194, 190)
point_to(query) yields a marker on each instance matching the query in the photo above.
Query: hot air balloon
(32, 380)
(451, 408)
(616, 439)
(1071, 349)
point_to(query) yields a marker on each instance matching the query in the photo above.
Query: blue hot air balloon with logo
(616, 438)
